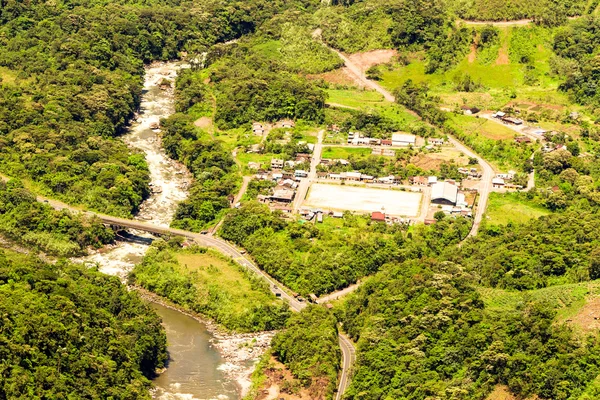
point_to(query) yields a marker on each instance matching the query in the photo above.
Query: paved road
(349, 358)
(312, 174)
(338, 294)
(348, 351)
(485, 185)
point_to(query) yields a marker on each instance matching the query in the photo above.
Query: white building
(444, 193)
(403, 139)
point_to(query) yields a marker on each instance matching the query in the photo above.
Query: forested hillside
(66, 331)
(423, 332)
(71, 77)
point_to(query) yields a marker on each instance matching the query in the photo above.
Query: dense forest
(309, 347)
(67, 330)
(37, 225)
(313, 259)
(423, 332)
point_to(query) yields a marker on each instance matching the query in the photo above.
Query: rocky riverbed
(206, 363)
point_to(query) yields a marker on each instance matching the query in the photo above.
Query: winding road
(226, 248)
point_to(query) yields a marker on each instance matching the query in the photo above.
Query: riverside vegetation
(205, 282)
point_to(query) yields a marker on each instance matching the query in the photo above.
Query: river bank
(239, 351)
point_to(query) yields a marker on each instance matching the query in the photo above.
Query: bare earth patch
(204, 122)
(588, 319)
(434, 161)
(340, 76)
(501, 393)
(367, 59)
(280, 384)
(503, 56)
(473, 54)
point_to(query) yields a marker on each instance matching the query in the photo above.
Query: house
(276, 163)
(277, 176)
(432, 180)
(287, 123)
(352, 176)
(513, 120)
(380, 151)
(470, 110)
(255, 148)
(444, 193)
(403, 139)
(290, 183)
(300, 173)
(386, 142)
(337, 214)
(377, 216)
(335, 177)
(435, 141)
(287, 175)
(283, 195)
(499, 114)
(364, 177)
(522, 139)
(419, 181)
(258, 128)
(498, 182)
(291, 163)
(253, 165)
(374, 142)
(303, 157)
(320, 218)
(333, 128)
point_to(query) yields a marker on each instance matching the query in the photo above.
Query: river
(197, 369)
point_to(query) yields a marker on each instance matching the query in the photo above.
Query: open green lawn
(371, 101)
(212, 272)
(345, 152)
(568, 299)
(265, 159)
(484, 127)
(512, 207)
(354, 98)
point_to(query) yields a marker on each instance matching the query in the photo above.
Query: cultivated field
(352, 198)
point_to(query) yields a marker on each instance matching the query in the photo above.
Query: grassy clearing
(208, 283)
(345, 152)
(512, 207)
(484, 127)
(211, 272)
(354, 98)
(568, 300)
(433, 161)
(263, 159)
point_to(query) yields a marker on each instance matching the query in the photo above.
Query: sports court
(352, 198)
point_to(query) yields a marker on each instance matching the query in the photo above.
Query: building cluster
(470, 173)
(378, 216)
(317, 214)
(258, 128)
(502, 116)
(504, 181)
(397, 140)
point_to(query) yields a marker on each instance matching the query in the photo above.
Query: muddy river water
(197, 369)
